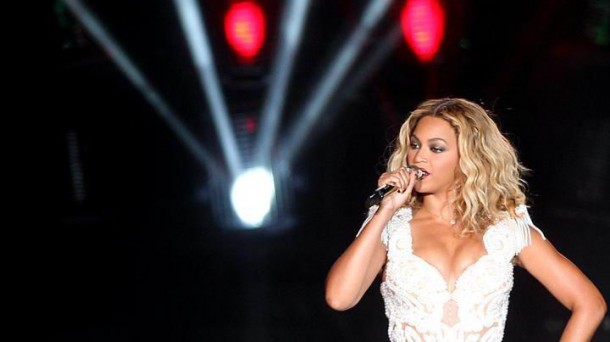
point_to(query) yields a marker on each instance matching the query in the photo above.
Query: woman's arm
(355, 270)
(569, 285)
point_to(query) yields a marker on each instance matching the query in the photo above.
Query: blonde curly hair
(488, 181)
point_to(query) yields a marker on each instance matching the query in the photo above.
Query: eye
(414, 145)
(437, 149)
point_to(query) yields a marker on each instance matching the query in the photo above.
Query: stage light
(252, 194)
(245, 29)
(423, 26)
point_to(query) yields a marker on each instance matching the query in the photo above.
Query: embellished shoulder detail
(398, 233)
(510, 235)
(401, 216)
(372, 211)
(384, 235)
(524, 227)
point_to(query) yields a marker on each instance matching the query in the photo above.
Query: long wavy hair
(488, 182)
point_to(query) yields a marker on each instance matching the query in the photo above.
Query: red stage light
(423, 27)
(245, 28)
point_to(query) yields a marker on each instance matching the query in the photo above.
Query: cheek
(451, 164)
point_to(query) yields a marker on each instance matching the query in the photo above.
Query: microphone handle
(379, 194)
(387, 189)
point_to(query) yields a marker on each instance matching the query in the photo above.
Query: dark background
(141, 254)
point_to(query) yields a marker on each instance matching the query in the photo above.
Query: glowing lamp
(252, 195)
(245, 29)
(423, 27)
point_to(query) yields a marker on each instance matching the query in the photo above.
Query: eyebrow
(430, 140)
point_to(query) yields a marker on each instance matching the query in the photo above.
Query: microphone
(381, 192)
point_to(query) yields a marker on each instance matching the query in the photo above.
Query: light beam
(133, 74)
(201, 52)
(293, 18)
(329, 82)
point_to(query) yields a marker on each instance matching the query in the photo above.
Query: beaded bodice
(421, 306)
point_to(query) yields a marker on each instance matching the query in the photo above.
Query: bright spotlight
(251, 196)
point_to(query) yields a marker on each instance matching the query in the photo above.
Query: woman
(446, 241)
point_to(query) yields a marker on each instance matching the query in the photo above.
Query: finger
(404, 177)
(412, 180)
(383, 179)
(400, 174)
(403, 180)
(398, 179)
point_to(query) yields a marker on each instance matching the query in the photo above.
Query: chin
(427, 190)
(422, 189)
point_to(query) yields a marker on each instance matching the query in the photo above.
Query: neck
(438, 206)
(435, 203)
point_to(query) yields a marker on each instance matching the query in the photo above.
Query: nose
(420, 156)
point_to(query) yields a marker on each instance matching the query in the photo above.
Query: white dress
(418, 302)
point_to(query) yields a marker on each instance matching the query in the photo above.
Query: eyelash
(433, 149)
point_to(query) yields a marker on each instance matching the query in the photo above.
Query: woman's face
(434, 149)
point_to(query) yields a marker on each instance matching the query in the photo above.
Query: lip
(426, 173)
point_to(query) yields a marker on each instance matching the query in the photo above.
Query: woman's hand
(404, 179)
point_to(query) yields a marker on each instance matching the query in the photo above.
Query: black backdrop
(141, 256)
